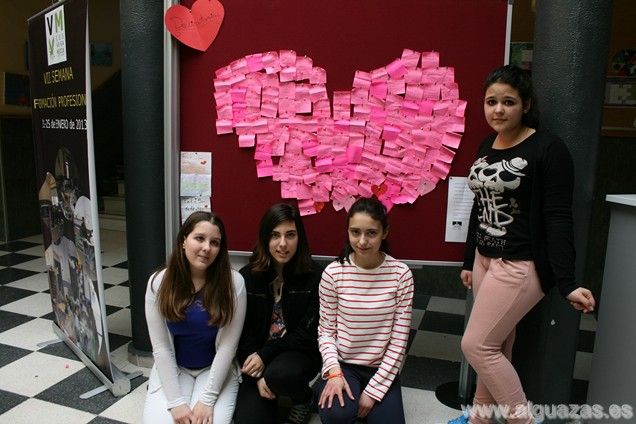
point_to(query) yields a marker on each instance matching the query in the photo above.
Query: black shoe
(298, 413)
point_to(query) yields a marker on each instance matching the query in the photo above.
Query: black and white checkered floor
(42, 385)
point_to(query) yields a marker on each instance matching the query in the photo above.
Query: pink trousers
(504, 290)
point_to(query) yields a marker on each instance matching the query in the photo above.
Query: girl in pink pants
(520, 239)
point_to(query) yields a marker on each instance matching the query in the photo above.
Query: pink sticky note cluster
(393, 135)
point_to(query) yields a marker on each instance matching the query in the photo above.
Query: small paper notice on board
(194, 204)
(460, 203)
(195, 183)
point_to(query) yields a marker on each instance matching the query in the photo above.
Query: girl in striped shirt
(365, 317)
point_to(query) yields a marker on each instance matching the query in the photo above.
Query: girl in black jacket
(520, 240)
(278, 349)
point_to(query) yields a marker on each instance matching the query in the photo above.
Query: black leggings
(289, 375)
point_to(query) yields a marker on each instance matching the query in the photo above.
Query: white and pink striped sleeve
(396, 349)
(327, 325)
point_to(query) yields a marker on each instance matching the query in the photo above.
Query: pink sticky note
(320, 194)
(239, 66)
(354, 154)
(413, 76)
(376, 122)
(263, 152)
(222, 98)
(364, 189)
(310, 177)
(287, 57)
(379, 74)
(410, 108)
(440, 169)
(254, 62)
(456, 127)
(318, 76)
(223, 72)
(271, 62)
(238, 94)
(396, 69)
(306, 207)
(303, 67)
(431, 91)
(414, 92)
(264, 168)
(223, 126)
(451, 140)
(310, 147)
(247, 140)
(426, 186)
(324, 164)
(450, 91)
(362, 79)
(426, 107)
(359, 96)
(446, 155)
(410, 58)
(303, 106)
(318, 92)
(269, 109)
(341, 97)
(461, 108)
(287, 74)
(390, 132)
(224, 112)
(287, 90)
(379, 89)
(433, 140)
(430, 60)
(361, 111)
(396, 86)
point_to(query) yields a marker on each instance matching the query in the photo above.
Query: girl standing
(195, 309)
(520, 238)
(365, 317)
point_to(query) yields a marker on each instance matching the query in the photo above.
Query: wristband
(336, 375)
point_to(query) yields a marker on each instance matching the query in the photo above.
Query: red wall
(341, 36)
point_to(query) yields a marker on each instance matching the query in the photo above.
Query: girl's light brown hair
(176, 290)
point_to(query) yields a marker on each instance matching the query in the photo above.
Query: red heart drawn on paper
(391, 135)
(379, 190)
(196, 28)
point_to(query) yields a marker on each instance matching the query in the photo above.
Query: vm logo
(55, 36)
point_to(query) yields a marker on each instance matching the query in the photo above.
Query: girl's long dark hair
(376, 210)
(261, 259)
(521, 81)
(175, 292)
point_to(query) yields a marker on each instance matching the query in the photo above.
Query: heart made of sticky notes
(196, 27)
(392, 135)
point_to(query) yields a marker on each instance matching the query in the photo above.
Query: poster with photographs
(62, 131)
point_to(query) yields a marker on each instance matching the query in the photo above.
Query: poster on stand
(62, 132)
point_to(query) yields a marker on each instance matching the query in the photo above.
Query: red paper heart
(196, 28)
(379, 190)
(318, 206)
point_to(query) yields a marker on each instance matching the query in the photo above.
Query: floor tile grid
(433, 357)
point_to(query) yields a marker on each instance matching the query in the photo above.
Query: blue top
(193, 337)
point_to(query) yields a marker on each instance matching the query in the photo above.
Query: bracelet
(330, 376)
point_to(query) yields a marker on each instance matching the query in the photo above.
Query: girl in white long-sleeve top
(366, 300)
(195, 309)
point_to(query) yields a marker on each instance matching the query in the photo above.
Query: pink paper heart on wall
(392, 135)
(196, 27)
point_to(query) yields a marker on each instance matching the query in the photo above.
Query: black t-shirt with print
(502, 182)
